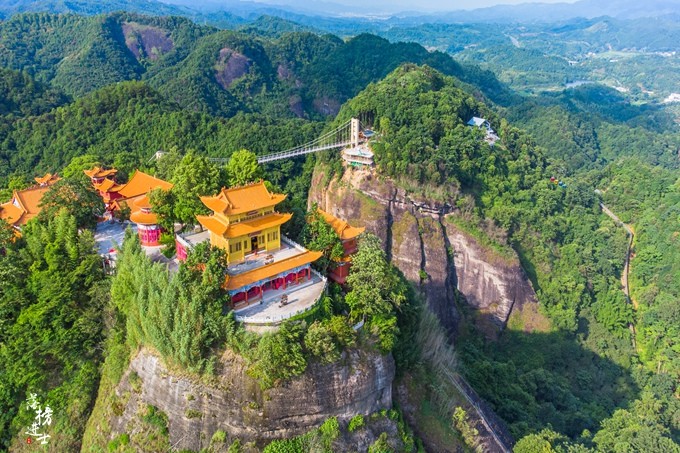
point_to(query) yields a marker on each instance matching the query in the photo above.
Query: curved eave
(143, 218)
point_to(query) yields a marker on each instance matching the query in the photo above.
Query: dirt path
(626, 267)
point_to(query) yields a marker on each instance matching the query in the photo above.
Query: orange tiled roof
(10, 213)
(143, 203)
(238, 200)
(108, 185)
(215, 225)
(47, 179)
(144, 218)
(341, 227)
(141, 183)
(99, 172)
(262, 273)
(25, 204)
(212, 224)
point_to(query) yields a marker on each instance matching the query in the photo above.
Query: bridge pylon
(354, 134)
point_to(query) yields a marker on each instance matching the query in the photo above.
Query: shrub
(220, 437)
(330, 429)
(156, 417)
(357, 422)
(235, 446)
(460, 422)
(380, 445)
(278, 356)
(135, 382)
(119, 441)
(191, 413)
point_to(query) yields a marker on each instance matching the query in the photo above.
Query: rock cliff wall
(360, 383)
(430, 250)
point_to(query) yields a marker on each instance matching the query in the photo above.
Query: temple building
(246, 225)
(103, 182)
(98, 174)
(132, 195)
(244, 220)
(348, 235)
(139, 185)
(25, 204)
(148, 229)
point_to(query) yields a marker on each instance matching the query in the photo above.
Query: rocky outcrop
(146, 41)
(492, 284)
(360, 383)
(231, 66)
(431, 251)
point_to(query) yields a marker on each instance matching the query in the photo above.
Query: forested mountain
(85, 7)
(114, 89)
(21, 95)
(216, 72)
(638, 57)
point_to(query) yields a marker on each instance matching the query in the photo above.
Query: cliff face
(360, 383)
(429, 249)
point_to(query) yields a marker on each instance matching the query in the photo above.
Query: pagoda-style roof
(99, 172)
(25, 204)
(234, 230)
(143, 203)
(11, 213)
(141, 212)
(141, 184)
(239, 200)
(49, 178)
(108, 185)
(144, 218)
(271, 270)
(341, 227)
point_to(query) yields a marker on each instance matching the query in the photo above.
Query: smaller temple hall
(133, 195)
(25, 204)
(348, 234)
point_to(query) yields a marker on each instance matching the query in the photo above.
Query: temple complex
(25, 204)
(348, 235)
(132, 195)
(262, 262)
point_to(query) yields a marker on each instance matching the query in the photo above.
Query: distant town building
(25, 204)
(348, 235)
(481, 123)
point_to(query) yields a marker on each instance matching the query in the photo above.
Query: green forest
(113, 89)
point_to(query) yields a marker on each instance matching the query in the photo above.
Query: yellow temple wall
(247, 216)
(268, 240)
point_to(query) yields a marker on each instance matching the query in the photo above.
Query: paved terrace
(260, 313)
(109, 236)
(301, 297)
(255, 260)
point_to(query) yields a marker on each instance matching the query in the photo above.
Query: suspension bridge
(348, 133)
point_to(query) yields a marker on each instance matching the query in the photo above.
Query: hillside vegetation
(115, 89)
(203, 69)
(572, 252)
